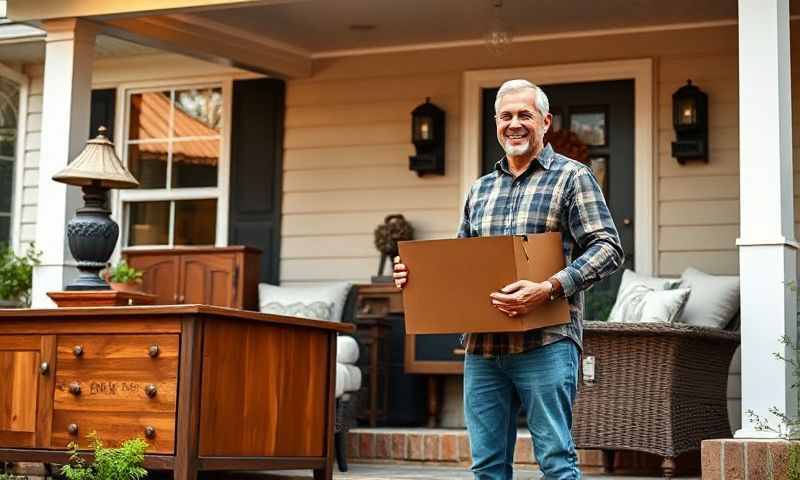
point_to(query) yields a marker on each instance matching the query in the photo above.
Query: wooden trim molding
(639, 70)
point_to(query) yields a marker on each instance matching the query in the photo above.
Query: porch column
(767, 248)
(69, 55)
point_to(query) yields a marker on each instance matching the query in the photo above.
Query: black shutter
(256, 182)
(102, 111)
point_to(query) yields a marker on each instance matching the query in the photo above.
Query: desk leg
(188, 427)
(434, 400)
(374, 355)
(326, 472)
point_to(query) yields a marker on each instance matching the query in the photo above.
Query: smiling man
(531, 190)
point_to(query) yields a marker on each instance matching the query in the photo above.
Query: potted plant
(123, 463)
(16, 276)
(124, 278)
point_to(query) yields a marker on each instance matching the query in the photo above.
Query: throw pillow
(655, 283)
(638, 303)
(714, 301)
(318, 301)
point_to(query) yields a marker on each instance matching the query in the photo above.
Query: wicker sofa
(658, 388)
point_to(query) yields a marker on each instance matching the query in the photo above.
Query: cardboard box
(449, 282)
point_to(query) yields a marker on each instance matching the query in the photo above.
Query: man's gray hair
(514, 86)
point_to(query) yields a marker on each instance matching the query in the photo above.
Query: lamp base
(92, 236)
(88, 280)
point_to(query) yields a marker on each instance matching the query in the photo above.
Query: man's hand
(400, 273)
(521, 297)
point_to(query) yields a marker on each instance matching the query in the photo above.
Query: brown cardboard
(449, 282)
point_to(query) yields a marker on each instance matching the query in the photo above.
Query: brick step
(450, 447)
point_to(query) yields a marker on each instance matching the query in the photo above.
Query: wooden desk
(209, 388)
(377, 301)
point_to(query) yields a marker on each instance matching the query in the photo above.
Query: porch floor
(427, 472)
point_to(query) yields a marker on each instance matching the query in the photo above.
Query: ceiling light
(498, 36)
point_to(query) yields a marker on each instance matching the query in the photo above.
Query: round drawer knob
(151, 390)
(77, 350)
(153, 351)
(44, 368)
(72, 428)
(75, 388)
(150, 431)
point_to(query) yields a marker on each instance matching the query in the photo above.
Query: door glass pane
(194, 163)
(196, 222)
(6, 185)
(149, 115)
(198, 112)
(148, 163)
(5, 230)
(148, 223)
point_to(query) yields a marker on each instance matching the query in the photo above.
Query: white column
(69, 55)
(767, 249)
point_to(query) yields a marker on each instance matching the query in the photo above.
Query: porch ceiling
(323, 25)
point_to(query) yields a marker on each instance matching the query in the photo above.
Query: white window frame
(221, 192)
(19, 162)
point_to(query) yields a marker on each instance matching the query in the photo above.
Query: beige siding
(30, 184)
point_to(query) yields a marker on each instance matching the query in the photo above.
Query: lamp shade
(97, 165)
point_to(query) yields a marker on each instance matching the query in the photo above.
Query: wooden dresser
(208, 388)
(221, 276)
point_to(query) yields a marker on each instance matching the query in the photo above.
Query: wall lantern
(690, 120)
(427, 134)
(91, 234)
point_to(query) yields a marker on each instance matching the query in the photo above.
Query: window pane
(148, 163)
(5, 230)
(195, 222)
(198, 112)
(149, 116)
(6, 182)
(149, 223)
(194, 163)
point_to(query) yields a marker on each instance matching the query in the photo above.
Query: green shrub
(16, 274)
(123, 463)
(124, 273)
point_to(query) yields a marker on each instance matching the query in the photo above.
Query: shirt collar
(545, 159)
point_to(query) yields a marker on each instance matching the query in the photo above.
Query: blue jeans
(544, 382)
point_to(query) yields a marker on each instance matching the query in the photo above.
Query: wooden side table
(373, 329)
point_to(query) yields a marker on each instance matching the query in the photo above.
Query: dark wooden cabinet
(225, 276)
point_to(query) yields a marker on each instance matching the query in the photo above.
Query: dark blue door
(593, 122)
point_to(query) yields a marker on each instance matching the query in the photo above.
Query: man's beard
(517, 150)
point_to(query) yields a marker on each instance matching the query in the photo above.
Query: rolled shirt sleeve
(590, 224)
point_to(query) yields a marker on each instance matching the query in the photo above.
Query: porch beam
(767, 248)
(67, 86)
(34, 11)
(186, 35)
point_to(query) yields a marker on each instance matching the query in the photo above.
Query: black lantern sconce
(690, 120)
(427, 134)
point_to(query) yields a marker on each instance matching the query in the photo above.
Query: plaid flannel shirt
(555, 193)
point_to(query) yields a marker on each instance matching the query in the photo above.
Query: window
(173, 146)
(9, 116)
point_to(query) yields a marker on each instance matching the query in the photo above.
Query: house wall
(30, 176)
(347, 143)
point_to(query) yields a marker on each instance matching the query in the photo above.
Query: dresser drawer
(117, 373)
(157, 429)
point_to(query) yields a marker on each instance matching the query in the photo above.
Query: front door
(593, 122)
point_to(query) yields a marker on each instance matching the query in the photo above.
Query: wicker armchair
(658, 388)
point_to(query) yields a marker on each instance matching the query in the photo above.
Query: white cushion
(348, 379)
(654, 283)
(346, 350)
(714, 300)
(318, 302)
(638, 303)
